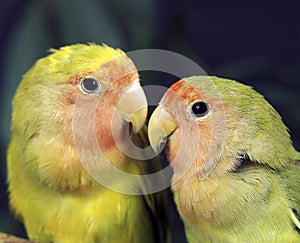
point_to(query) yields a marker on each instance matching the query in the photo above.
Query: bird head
(209, 125)
(79, 99)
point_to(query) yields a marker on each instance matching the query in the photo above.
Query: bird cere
(236, 174)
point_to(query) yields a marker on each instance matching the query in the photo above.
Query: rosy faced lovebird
(236, 174)
(76, 94)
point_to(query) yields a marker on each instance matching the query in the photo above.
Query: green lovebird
(72, 114)
(236, 174)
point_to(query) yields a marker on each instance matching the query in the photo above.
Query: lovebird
(74, 112)
(236, 174)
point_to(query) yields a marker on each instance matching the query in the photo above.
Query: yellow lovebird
(71, 173)
(236, 174)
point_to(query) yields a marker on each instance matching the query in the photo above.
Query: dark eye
(90, 85)
(199, 109)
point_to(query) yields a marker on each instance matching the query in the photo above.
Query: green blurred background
(256, 43)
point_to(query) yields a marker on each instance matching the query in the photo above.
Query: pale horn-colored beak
(161, 125)
(134, 107)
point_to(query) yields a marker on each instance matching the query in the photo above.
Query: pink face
(110, 81)
(84, 107)
(196, 142)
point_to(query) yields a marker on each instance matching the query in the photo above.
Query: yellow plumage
(50, 190)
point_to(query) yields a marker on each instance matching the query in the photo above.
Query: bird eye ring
(90, 85)
(197, 109)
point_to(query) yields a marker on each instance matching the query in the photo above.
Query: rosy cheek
(111, 129)
(174, 144)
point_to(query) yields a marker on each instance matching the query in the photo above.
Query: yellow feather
(49, 189)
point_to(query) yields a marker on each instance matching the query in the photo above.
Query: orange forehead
(186, 91)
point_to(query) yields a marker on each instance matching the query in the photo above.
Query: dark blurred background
(255, 42)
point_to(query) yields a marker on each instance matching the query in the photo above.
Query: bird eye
(90, 85)
(198, 109)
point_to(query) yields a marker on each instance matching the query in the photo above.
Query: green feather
(247, 189)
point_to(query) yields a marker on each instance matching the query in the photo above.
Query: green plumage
(265, 184)
(247, 188)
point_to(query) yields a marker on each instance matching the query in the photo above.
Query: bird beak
(134, 107)
(161, 125)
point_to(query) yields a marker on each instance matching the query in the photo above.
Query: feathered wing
(291, 178)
